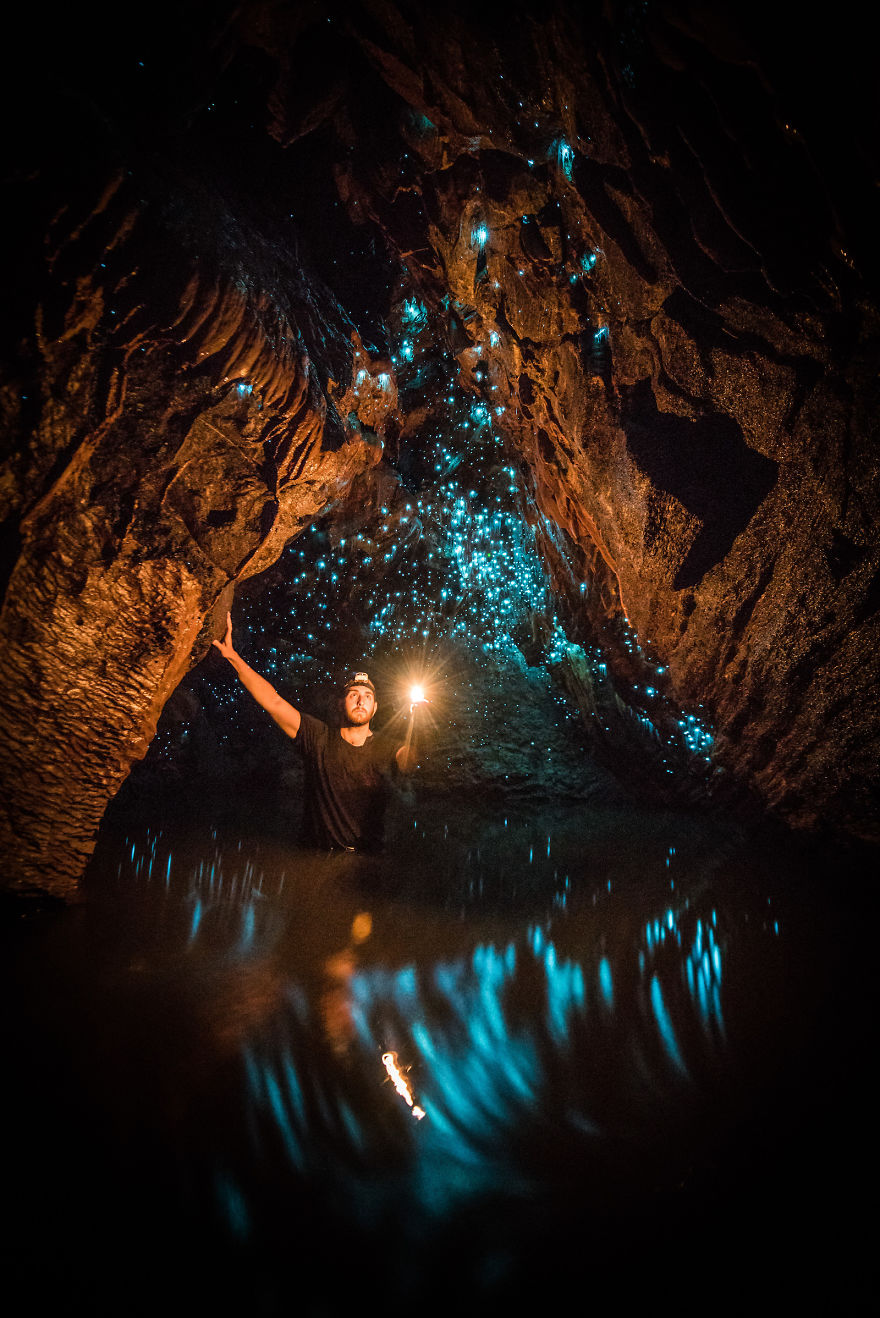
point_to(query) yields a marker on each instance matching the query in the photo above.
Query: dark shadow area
(707, 466)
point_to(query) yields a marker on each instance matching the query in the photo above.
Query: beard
(357, 718)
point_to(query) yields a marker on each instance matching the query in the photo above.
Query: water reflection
(280, 1050)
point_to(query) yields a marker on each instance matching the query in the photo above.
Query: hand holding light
(418, 701)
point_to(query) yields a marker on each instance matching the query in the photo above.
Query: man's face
(359, 705)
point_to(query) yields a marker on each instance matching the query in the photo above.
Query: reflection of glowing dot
(362, 926)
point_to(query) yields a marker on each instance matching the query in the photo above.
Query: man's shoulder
(312, 730)
(313, 721)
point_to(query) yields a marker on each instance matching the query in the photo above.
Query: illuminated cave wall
(651, 248)
(430, 569)
(257, 249)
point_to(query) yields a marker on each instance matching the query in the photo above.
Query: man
(348, 770)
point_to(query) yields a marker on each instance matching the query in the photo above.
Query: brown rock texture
(179, 439)
(645, 267)
(627, 240)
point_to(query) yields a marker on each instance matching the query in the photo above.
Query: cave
(528, 353)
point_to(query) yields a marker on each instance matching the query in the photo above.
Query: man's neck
(355, 736)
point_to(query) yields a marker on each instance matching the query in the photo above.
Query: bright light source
(401, 1084)
(417, 694)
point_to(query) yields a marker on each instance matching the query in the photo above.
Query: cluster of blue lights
(563, 153)
(698, 738)
(449, 558)
(414, 314)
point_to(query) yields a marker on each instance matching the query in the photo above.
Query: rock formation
(637, 241)
(170, 432)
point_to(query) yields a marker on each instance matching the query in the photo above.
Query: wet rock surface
(631, 230)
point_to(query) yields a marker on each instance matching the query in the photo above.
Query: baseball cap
(358, 679)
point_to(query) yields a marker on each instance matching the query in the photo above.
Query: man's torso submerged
(346, 787)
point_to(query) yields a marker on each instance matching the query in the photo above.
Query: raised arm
(407, 755)
(284, 714)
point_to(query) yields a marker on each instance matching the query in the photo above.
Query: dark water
(630, 1053)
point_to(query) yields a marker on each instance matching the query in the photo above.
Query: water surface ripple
(561, 1047)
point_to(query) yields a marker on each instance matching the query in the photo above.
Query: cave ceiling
(553, 328)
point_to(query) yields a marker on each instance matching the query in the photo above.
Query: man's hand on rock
(226, 648)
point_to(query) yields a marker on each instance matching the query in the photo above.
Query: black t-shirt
(346, 787)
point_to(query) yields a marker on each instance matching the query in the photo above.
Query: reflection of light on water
(606, 982)
(703, 972)
(701, 969)
(664, 1024)
(582, 1028)
(401, 1084)
(362, 927)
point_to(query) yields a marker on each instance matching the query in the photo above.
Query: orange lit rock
(178, 444)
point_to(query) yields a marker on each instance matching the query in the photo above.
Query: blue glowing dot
(414, 312)
(564, 156)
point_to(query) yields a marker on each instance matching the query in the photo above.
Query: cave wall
(169, 431)
(657, 272)
(655, 254)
